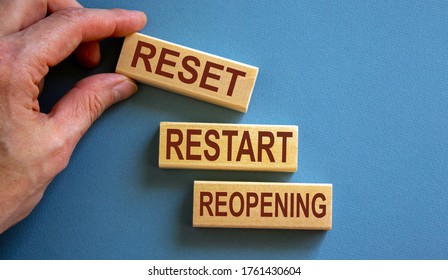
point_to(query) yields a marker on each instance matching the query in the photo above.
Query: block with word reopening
(187, 71)
(262, 205)
(228, 146)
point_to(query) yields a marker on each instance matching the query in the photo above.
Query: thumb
(84, 103)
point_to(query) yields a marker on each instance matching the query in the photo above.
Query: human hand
(35, 147)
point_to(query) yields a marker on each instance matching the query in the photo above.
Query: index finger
(54, 38)
(17, 15)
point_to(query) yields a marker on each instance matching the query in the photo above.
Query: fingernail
(143, 16)
(124, 89)
(138, 12)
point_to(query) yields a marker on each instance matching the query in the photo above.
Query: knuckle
(37, 165)
(58, 156)
(5, 50)
(18, 69)
(41, 170)
(71, 14)
(53, 157)
(95, 106)
(71, 19)
(89, 105)
(7, 56)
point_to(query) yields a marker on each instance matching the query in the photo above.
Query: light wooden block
(187, 71)
(262, 205)
(228, 146)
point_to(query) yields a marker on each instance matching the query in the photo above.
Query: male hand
(35, 147)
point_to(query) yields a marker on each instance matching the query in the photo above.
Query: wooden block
(228, 146)
(187, 71)
(262, 205)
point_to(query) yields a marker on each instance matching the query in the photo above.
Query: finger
(17, 15)
(88, 54)
(83, 104)
(40, 85)
(70, 27)
(56, 5)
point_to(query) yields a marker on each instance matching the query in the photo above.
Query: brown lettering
(208, 74)
(231, 204)
(284, 136)
(242, 151)
(212, 145)
(322, 207)
(164, 61)
(229, 134)
(145, 57)
(171, 144)
(220, 203)
(191, 143)
(283, 206)
(264, 204)
(291, 210)
(235, 73)
(206, 204)
(267, 147)
(189, 69)
(304, 206)
(250, 204)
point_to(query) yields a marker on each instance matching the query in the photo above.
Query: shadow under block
(262, 205)
(187, 71)
(228, 146)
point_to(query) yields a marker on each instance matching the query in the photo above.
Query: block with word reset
(187, 71)
(262, 205)
(228, 146)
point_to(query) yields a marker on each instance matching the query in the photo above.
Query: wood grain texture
(187, 71)
(228, 146)
(262, 205)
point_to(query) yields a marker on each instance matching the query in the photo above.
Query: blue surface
(366, 82)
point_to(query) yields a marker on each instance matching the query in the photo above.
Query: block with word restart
(262, 205)
(228, 146)
(187, 71)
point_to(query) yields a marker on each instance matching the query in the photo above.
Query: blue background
(365, 81)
